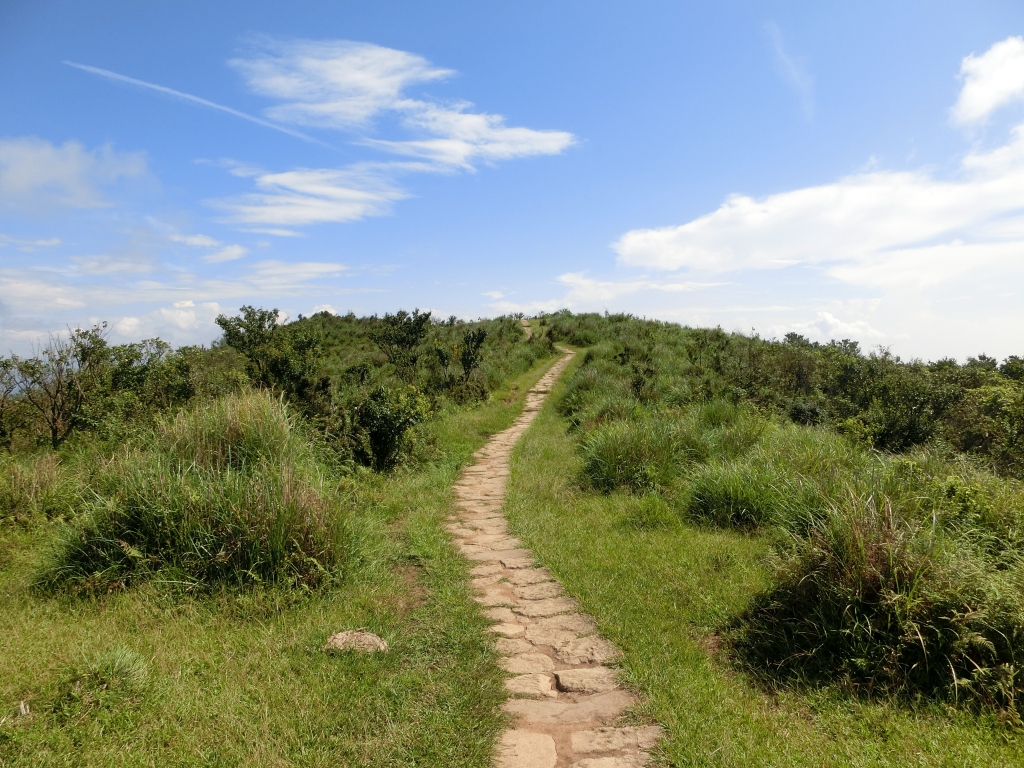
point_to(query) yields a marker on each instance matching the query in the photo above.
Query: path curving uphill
(564, 698)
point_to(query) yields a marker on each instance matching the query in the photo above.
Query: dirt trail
(564, 698)
(526, 327)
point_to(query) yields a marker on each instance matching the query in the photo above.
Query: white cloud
(127, 326)
(792, 70)
(826, 326)
(36, 175)
(333, 84)
(929, 258)
(494, 294)
(344, 85)
(991, 80)
(274, 275)
(28, 246)
(226, 253)
(106, 264)
(883, 228)
(313, 196)
(325, 308)
(230, 253)
(198, 241)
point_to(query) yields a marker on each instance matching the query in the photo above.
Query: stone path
(566, 700)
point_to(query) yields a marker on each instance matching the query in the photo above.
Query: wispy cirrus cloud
(28, 245)
(188, 97)
(344, 86)
(38, 176)
(792, 69)
(313, 196)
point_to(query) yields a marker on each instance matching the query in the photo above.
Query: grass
(155, 676)
(661, 588)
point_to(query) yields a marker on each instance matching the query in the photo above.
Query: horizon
(762, 167)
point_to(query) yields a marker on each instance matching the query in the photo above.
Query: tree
(398, 335)
(8, 385)
(277, 357)
(55, 382)
(469, 351)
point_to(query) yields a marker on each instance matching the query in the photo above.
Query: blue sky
(849, 171)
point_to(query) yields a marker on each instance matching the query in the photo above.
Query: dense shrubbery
(227, 492)
(888, 487)
(224, 465)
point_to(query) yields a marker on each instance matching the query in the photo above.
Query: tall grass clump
(894, 606)
(230, 492)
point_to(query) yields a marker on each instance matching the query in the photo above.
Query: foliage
(229, 492)
(888, 488)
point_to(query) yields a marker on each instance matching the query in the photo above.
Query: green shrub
(636, 455)
(228, 494)
(890, 606)
(384, 419)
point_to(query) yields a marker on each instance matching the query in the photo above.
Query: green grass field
(661, 589)
(154, 677)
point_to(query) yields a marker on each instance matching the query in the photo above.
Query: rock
(502, 615)
(592, 680)
(539, 591)
(485, 581)
(535, 686)
(503, 555)
(573, 622)
(510, 647)
(526, 576)
(625, 761)
(587, 650)
(355, 640)
(528, 662)
(509, 630)
(615, 739)
(515, 563)
(496, 594)
(602, 707)
(552, 636)
(522, 749)
(545, 607)
(487, 569)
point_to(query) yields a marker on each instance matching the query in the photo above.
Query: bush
(890, 606)
(384, 420)
(227, 494)
(636, 455)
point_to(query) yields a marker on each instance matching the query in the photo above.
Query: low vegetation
(180, 530)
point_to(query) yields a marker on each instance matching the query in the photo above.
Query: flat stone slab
(501, 615)
(615, 739)
(588, 680)
(550, 607)
(522, 749)
(573, 622)
(552, 636)
(587, 650)
(510, 646)
(526, 576)
(541, 591)
(518, 561)
(527, 663)
(509, 630)
(487, 569)
(536, 686)
(501, 555)
(623, 761)
(600, 708)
